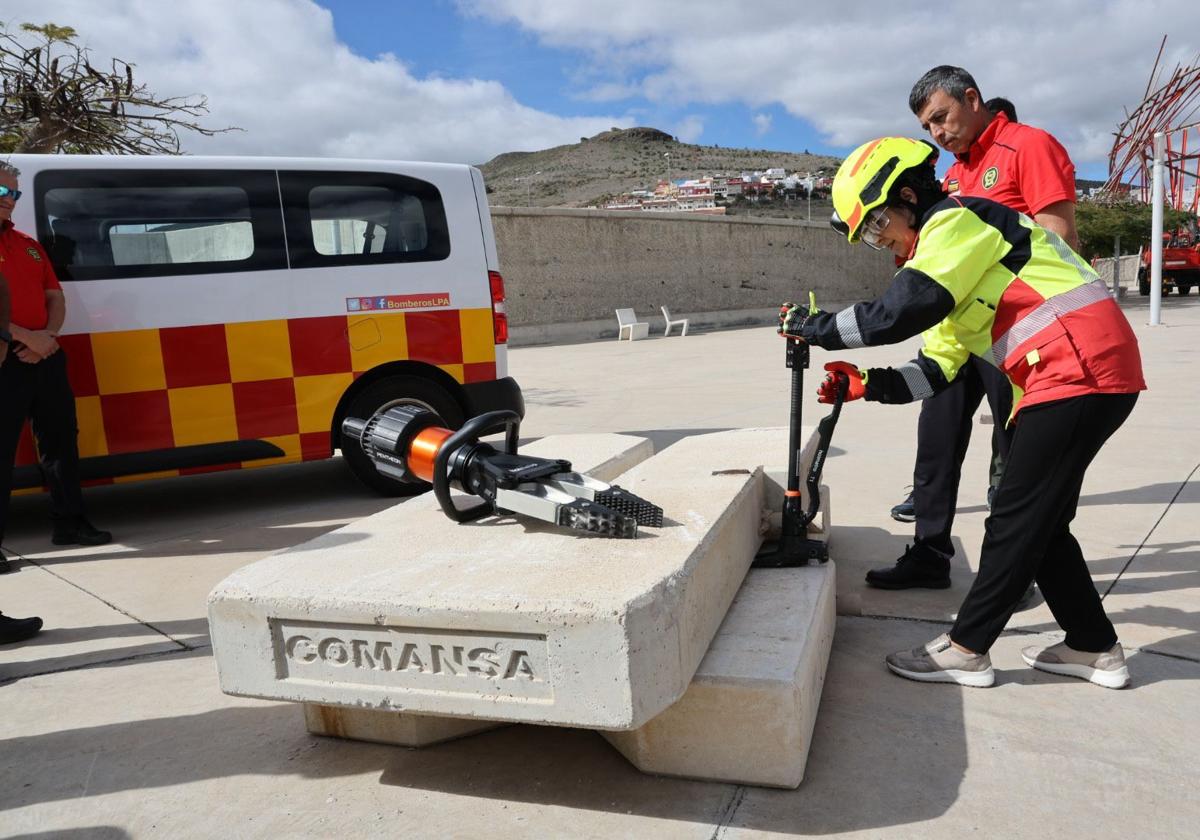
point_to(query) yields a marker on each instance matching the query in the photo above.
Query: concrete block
(506, 619)
(399, 728)
(749, 713)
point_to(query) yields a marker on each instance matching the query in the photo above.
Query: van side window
(354, 218)
(100, 224)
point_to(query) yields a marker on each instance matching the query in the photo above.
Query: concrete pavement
(114, 726)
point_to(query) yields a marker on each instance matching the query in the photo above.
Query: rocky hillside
(619, 160)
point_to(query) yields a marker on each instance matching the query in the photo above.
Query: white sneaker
(1106, 668)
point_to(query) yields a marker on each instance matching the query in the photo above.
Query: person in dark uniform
(1026, 169)
(980, 279)
(11, 629)
(33, 378)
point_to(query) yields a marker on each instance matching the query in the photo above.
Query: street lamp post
(667, 155)
(528, 179)
(1156, 230)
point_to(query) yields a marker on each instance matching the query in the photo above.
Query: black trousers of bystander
(943, 434)
(41, 392)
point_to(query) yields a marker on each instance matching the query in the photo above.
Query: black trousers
(943, 434)
(1028, 536)
(42, 393)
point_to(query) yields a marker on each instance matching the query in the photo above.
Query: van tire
(388, 392)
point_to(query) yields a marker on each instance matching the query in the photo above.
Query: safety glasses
(873, 227)
(7, 191)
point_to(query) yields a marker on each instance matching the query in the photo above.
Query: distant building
(623, 203)
(756, 190)
(691, 203)
(701, 203)
(697, 186)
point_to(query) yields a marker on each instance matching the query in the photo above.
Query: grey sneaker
(939, 661)
(1106, 668)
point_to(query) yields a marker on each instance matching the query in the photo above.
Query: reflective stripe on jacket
(987, 280)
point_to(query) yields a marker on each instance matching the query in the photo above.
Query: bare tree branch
(55, 100)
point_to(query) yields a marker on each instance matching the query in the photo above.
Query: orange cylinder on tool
(424, 449)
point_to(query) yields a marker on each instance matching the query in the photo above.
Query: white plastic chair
(667, 317)
(627, 321)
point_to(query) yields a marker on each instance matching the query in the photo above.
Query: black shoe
(1027, 599)
(919, 566)
(18, 629)
(79, 532)
(905, 512)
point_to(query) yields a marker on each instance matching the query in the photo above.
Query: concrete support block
(399, 728)
(749, 713)
(611, 458)
(506, 619)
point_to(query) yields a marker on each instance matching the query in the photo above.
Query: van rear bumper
(493, 395)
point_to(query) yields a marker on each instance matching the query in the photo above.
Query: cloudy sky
(464, 80)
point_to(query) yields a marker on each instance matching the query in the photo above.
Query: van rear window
(140, 223)
(351, 218)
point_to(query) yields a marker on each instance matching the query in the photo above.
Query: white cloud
(608, 92)
(762, 123)
(690, 128)
(277, 69)
(1071, 67)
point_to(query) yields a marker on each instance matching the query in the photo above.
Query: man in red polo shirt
(33, 378)
(11, 629)
(1026, 169)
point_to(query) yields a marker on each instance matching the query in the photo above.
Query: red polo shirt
(1019, 166)
(25, 266)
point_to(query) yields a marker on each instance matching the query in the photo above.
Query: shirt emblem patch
(33, 252)
(990, 177)
(952, 185)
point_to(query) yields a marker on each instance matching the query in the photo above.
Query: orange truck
(1180, 263)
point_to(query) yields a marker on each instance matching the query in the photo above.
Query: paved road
(114, 726)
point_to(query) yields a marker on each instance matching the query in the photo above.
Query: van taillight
(499, 316)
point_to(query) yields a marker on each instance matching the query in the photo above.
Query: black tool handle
(471, 431)
(796, 359)
(824, 436)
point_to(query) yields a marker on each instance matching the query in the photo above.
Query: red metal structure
(1168, 107)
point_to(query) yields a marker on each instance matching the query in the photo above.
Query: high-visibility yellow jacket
(987, 280)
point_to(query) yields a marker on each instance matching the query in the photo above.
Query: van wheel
(386, 393)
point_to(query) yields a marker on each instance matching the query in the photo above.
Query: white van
(229, 312)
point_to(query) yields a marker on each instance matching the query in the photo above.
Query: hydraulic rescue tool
(794, 548)
(411, 443)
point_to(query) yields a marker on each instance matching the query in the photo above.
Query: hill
(619, 160)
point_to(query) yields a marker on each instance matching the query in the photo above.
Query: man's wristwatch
(6, 336)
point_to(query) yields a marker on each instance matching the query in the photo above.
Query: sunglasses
(7, 191)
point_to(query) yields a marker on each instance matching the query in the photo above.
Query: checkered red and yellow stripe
(278, 381)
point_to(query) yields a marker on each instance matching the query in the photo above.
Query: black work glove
(793, 317)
